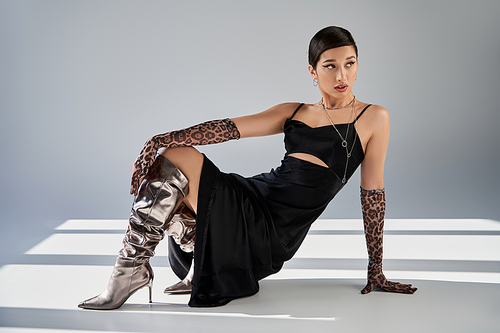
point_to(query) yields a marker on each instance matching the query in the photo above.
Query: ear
(312, 71)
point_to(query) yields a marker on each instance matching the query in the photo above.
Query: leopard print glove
(214, 131)
(373, 206)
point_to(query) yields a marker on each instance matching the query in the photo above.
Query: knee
(180, 153)
(186, 159)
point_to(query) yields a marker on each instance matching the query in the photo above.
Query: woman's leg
(190, 162)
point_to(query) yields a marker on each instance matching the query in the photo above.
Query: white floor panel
(324, 224)
(38, 298)
(64, 286)
(435, 247)
(472, 277)
(94, 225)
(84, 244)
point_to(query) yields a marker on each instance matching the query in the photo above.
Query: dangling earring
(356, 77)
(315, 82)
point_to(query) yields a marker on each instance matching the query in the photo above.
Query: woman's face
(336, 71)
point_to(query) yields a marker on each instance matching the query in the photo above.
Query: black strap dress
(246, 228)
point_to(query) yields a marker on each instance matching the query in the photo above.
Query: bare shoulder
(285, 109)
(374, 122)
(377, 113)
(375, 117)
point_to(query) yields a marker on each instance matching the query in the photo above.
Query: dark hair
(329, 38)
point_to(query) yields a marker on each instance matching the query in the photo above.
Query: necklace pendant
(343, 180)
(344, 144)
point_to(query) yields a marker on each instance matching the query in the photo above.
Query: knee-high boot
(182, 230)
(159, 196)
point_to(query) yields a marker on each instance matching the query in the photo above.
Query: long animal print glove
(214, 131)
(373, 206)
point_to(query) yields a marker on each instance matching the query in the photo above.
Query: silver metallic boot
(184, 286)
(182, 228)
(159, 197)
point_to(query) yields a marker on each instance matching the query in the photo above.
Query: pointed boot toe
(101, 302)
(83, 304)
(95, 303)
(181, 287)
(128, 277)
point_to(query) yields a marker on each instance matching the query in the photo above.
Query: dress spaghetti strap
(359, 115)
(294, 112)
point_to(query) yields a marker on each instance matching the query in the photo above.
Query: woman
(244, 229)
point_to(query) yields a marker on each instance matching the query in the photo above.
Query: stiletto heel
(150, 286)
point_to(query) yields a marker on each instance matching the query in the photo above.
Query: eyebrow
(333, 60)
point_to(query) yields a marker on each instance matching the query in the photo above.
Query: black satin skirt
(246, 228)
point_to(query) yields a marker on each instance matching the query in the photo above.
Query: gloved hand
(373, 206)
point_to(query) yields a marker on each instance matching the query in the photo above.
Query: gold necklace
(344, 140)
(340, 107)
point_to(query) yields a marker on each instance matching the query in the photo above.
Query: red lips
(341, 88)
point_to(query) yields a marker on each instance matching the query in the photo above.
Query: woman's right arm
(264, 123)
(215, 131)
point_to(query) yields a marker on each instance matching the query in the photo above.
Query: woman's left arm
(373, 201)
(372, 167)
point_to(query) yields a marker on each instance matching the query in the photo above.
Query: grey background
(83, 84)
